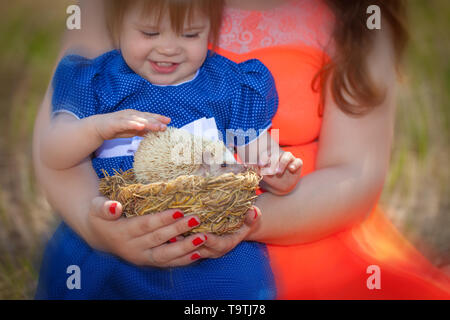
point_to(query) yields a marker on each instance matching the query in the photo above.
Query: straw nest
(220, 195)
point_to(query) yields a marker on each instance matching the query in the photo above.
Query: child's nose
(168, 48)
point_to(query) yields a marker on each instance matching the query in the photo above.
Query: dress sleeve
(73, 89)
(253, 105)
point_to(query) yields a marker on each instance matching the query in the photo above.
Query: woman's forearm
(324, 202)
(69, 192)
(72, 197)
(351, 165)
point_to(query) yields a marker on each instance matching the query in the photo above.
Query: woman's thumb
(106, 209)
(253, 215)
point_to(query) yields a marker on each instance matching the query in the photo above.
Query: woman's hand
(155, 240)
(150, 240)
(217, 246)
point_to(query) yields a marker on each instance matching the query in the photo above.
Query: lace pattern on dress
(307, 22)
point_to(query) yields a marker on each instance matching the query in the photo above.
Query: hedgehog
(168, 154)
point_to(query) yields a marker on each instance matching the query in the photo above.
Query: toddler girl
(162, 73)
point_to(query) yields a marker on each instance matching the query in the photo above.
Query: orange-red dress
(291, 40)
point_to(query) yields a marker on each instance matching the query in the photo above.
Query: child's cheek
(199, 51)
(140, 49)
(134, 45)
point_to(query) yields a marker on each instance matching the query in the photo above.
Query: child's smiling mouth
(164, 67)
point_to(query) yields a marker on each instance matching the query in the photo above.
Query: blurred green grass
(416, 193)
(30, 33)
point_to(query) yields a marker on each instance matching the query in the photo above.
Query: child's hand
(278, 180)
(128, 123)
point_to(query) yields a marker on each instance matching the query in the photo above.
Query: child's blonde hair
(178, 11)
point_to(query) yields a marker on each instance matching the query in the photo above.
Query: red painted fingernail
(177, 215)
(197, 241)
(195, 256)
(173, 240)
(256, 213)
(193, 222)
(206, 238)
(112, 208)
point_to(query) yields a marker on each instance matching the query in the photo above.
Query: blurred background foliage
(416, 193)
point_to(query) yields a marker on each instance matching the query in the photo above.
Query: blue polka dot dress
(241, 97)
(238, 96)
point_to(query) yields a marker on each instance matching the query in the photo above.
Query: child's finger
(145, 115)
(133, 125)
(264, 159)
(155, 125)
(159, 117)
(151, 117)
(286, 159)
(295, 165)
(269, 171)
(150, 123)
(268, 163)
(154, 116)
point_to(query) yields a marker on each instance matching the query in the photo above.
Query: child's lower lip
(163, 69)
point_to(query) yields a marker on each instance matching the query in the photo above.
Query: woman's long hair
(351, 86)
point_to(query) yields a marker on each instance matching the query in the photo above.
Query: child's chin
(162, 81)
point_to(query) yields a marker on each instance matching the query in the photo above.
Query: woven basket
(221, 202)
